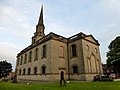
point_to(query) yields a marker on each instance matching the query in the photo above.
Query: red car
(114, 76)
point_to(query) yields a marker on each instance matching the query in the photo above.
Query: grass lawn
(56, 86)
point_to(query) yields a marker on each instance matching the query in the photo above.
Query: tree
(113, 55)
(5, 68)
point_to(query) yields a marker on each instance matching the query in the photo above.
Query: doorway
(62, 75)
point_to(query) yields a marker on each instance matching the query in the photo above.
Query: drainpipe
(68, 61)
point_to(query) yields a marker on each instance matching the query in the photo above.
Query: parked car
(102, 77)
(97, 77)
(113, 76)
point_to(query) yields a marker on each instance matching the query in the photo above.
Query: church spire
(41, 17)
(39, 28)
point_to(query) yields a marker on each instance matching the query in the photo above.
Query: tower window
(33, 40)
(74, 54)
(75, 69)
(44, 51)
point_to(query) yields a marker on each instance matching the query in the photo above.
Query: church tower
(39, 28)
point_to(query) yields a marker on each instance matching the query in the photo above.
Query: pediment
(91, 39)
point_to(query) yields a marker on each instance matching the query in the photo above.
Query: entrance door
(62, 75)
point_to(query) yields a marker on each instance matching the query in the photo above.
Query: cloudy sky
(18, 19)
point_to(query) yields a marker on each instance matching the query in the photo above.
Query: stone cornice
(53, 36)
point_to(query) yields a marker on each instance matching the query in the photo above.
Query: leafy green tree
(113, 55)
(5, 68)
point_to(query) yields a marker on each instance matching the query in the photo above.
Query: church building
(51, 56)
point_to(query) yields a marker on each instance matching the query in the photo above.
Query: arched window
(20, 72)
(93, 62)
(30, 56)
(35, 70)
(87, 47)
(97, 66)
(44, 51)
(18, 61)
(29, 71)
(75, 69)
(89, 66)
(43, 69)
(36, 54)
(24, 71)
(21, 60)
(96, 50)
(74, 54)
(61, 51)
(33, 40)
(25, 58)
